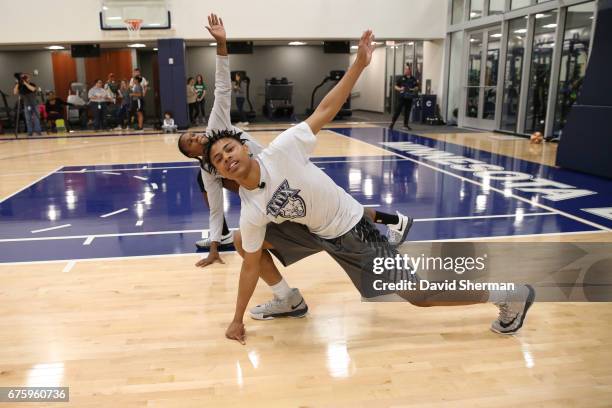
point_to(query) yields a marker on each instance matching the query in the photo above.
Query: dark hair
(189, 79)
(200, 78)
(214, 138)
(168, 113)
(138, 79)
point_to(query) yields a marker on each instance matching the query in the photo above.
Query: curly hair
(215, 136)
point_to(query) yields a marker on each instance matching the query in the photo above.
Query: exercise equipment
(278, 95)
(334, 76)
(250, 114)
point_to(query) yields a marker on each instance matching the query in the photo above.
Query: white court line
(126, 258)
(114, 212)
(548, 234)
(51, 228)
(165, 169)
(525, 200)
(371, 205)
(127, 234)
(111, 173)
(470, 217)
(154, 185)
(89, 240)
(31, 184)
(140, 178)
(69, 266)
(83, 170)
(139, 223)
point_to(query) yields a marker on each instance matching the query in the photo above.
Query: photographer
(27, 91)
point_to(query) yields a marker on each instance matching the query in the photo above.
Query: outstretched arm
(219, 118)
(333, 101)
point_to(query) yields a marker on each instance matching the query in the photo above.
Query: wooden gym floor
(149, 331)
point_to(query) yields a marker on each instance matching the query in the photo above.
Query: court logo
(286, 202)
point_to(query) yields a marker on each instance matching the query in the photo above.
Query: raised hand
(366, 48)
(215, 28)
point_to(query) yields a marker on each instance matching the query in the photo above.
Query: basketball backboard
(155, 14)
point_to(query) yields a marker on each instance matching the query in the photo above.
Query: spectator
(143, 81)
(112, 87)
(200, 88)
(56, 108)
(137, 93)
(123, 113)
(192, 99)
(408, 88)
(239, 88)
(98, 103)
(169, 126)
(27, 91)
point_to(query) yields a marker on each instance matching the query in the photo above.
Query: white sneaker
(292, 306)
(512, 314)
(397, 234)
(225, 240)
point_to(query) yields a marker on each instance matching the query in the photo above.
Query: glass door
(482, 76)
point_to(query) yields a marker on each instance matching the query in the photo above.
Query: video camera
(20, 76)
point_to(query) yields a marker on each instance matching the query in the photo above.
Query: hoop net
(133, 27)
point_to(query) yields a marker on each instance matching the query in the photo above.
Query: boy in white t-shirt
(293, 209)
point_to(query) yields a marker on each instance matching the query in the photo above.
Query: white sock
(281, 289)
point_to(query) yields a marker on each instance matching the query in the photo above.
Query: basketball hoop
(133, 26)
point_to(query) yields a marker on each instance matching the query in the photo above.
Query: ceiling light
(553, 25)
(114, 18)
(354, 47)
(154, 49)
(54, 47)
(521, 31)
(137, 45)
(542, 15)
(497, 35)
(297, 43)
(213, 44)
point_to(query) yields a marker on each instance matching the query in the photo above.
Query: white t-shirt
(296, 190)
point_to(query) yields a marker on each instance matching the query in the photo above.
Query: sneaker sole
(296, 314)
(208, 246)
(528, 303)
(406, 231)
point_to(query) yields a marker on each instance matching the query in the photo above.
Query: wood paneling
(118, 62)
(64, 72)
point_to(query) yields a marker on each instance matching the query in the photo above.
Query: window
(578, 26)
(517, 35)
(491, 71)
(457, 16)
(473, 82)
(454, 77)
(476, 9)
(539, 72)
(496, 6)
(520, 4)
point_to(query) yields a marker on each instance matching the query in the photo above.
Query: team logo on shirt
(286, 202)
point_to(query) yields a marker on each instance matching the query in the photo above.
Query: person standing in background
(408, 88)
(200, 87)
(123, 113)
(239, 88)
(192, 100)
(136, 94)
(27, 91)
(98, 102)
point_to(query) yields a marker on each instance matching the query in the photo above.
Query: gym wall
(25, 61)
(77, 20)
(370, 88)
(306, 66)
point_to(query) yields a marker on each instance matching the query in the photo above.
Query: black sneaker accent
(528, 302)
(296, 306)
(295, 313)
